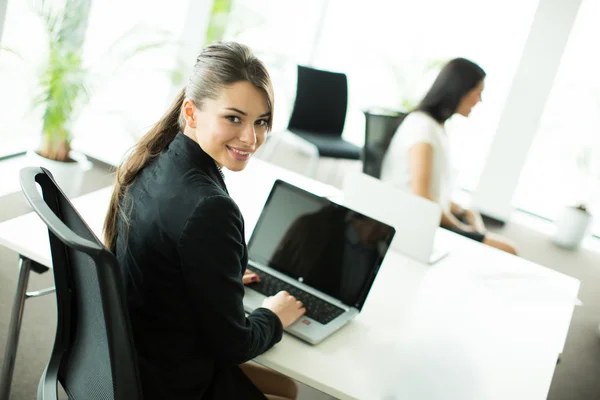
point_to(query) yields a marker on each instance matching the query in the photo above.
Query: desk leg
(14, 328)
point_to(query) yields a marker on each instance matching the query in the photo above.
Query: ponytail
(218, 66)
(149, 147)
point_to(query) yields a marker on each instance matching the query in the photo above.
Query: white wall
(524, 105)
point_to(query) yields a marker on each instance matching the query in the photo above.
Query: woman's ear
(189, 112)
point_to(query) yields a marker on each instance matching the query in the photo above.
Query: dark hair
(455, 80)
(219, 65)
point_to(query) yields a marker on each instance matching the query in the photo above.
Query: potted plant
(64, 86)
(572, 226)
(574, 221)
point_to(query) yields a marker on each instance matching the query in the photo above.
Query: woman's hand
(466, 227)
(250, 277)
(475, 221)
(450, 221)
(286, 307)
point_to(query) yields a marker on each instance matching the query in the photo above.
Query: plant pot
(68, 175)
(571, 227)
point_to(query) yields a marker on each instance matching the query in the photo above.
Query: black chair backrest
(379, 131)
(93, 355)
(321, 102)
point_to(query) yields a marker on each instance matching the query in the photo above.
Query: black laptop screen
(325, 245)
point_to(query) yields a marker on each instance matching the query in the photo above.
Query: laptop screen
(325, 245)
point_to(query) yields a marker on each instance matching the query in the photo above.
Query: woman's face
(470, 100)
(231, 127)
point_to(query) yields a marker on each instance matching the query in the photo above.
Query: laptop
(323, 253)
(415, 219)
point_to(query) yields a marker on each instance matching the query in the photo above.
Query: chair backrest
(321, 102)
(93, 355)
(379, 130)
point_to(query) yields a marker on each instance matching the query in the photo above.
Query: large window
(132, 47)
(131, 51)
(282, 34)
(391, 49)
(23, 48)
(562, 168)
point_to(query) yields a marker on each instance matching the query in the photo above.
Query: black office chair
(93, 355)
(380, 127)
(319, 112)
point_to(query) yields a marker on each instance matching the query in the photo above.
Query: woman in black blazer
(179, 238)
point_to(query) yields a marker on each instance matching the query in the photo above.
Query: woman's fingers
(250, 277)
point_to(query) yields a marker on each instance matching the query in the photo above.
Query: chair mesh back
(86, 371)
(379, 131)
(93, 355)
(321, 102)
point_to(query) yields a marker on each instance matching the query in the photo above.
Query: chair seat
(330, 145)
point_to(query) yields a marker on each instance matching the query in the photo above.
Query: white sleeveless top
(420, 127)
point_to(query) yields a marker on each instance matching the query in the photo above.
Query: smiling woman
(179, 238)
(232, 127)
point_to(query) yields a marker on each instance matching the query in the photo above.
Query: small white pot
(68, 175)
(571, 227)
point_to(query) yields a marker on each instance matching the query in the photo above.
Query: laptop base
(305, 328)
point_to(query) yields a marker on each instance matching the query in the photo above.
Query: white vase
(571, 227)
(68, 175)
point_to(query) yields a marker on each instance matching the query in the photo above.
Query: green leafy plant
(65, 84)
(217, 25)
(62, 80)
(11, 51)
(218, 21)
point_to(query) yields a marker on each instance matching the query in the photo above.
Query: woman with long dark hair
(418, 158)
(179, 238)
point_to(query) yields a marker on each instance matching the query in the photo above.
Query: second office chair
(319, 114)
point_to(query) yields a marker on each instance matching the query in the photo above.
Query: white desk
(480, 324)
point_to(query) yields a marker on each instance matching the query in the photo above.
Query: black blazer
(183, 255)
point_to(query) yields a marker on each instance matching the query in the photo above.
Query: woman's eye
(234, 119)
(262, 122)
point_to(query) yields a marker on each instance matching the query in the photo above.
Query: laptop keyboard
(316, 308)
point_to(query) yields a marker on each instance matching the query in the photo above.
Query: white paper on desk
(526, 287)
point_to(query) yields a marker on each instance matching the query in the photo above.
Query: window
(131, 86)
(390, 52)
(24, 44)
(282, 34)
(563, 165)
